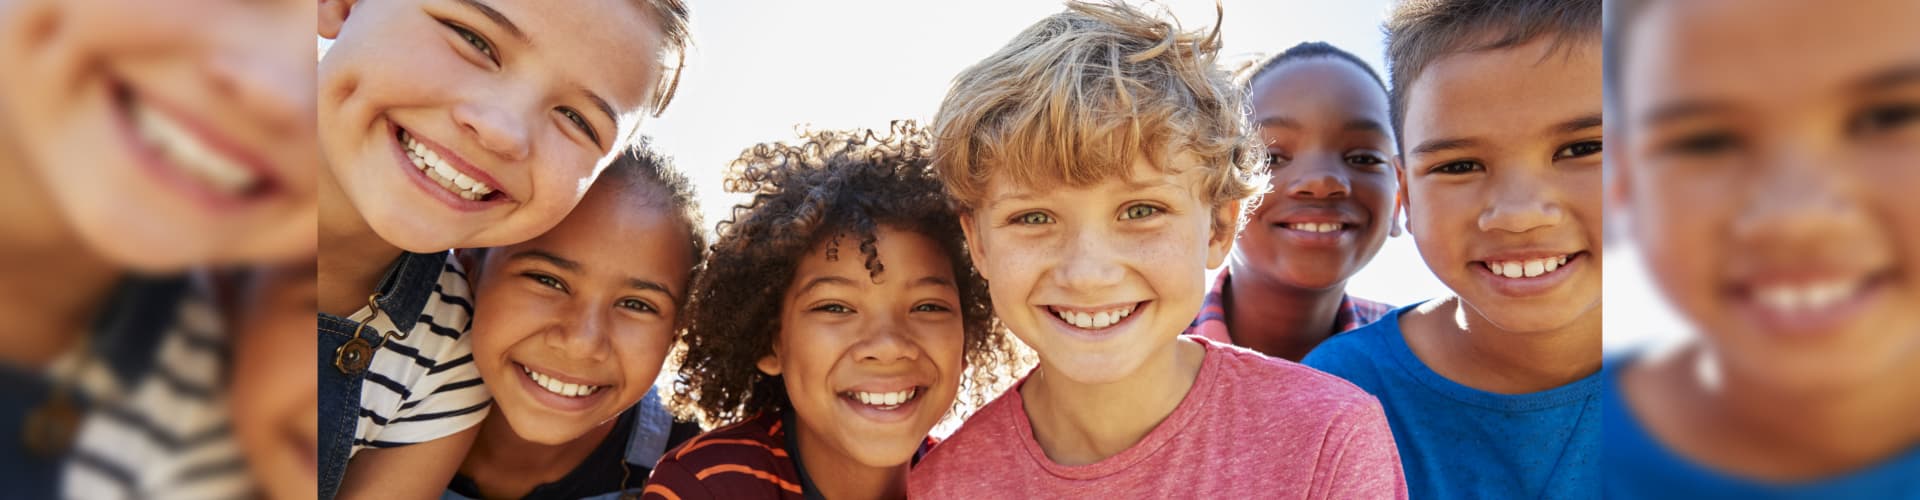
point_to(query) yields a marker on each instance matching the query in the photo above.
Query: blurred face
(1324, 122)
(474, 123)
(1503, 181)
(1098, 279)
(870, 363)
(167, 133)
(570, 328)
(1769, 181)
(274, 393)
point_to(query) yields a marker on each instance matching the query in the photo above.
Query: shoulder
(1266, 384)
(1361, 347)
(748, 456)
(990, 436)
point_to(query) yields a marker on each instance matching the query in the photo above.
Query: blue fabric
(1459, 442)
(404, 291)
(1640, 467)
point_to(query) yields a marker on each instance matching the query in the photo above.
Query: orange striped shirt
(744, 460)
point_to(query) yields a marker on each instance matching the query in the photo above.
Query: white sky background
(759, 68)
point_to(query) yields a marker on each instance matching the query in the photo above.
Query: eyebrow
(1594, 120)
(641, 284)
(822, 280)
(601, 104)
(1451, 143)
(1898, 76)
(1130, 185)
(934, 281)
(499, 19)
(1682, 110)
(1354, 125)
(1577, 124)
(545, 256)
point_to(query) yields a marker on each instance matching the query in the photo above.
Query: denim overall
(652, 428)
(403, 293)
(126, 338)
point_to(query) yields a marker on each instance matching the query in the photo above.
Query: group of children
(497, 302)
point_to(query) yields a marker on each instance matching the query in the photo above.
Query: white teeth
(442, 173)
(195, 157)
(1526, 268)
(1312, 227)
(1807, 297)
(1094, 321)
(885, 400)
(558, 387)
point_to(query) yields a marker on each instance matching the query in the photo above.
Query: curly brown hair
(827, 186)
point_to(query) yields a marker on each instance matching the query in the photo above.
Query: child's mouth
(1528, 268)
(1812, 305)
(188, 153)
(884, 401)
(1096, 319)
(559, 388)
(442, 172)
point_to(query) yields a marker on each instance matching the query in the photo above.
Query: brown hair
(1077, 97)
(829, 187)
(1420, 32)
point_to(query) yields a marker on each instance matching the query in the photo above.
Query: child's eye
(1702, 144)
(834, 308)
(930, 308)
(1139, 211)
(637, 305)
(581, 122)
(1033, 218)
(1883, 119)
(1274, 159)
(1365, 160)
(547, 281)
(478, 42)
(1577, 150)
(1458, 167)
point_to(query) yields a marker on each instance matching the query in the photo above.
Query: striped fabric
(424, 387)
(164, 433)
(1354, 312)
(744, 460)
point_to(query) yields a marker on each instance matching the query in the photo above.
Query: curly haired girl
(836, 323)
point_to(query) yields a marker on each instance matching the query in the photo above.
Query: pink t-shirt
(1251, 427)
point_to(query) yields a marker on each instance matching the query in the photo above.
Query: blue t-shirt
(1459, 442)
(1640, 467)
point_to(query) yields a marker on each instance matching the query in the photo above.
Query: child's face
(1503, 181)
(1769, 180)
(1098, 279)
(1325, 125)
(166, 133)
(444, 126)
(274, 391)
(871, 364)
(570, 328)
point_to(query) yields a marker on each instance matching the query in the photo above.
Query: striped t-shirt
(423, 387)
(159, 426)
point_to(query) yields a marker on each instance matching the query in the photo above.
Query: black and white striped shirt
(424, 387)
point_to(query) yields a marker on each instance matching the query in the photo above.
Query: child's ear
(1221, 240)
(1403, 204)
(333, 14)
(974, 251)
(770, 364)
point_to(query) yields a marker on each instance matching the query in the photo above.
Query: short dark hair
(1420, 32)
(1310, 50)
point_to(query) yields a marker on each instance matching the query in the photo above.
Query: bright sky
(760, 68)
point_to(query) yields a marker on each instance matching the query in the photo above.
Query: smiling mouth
(179, 145)
(1316, 227)
(1095, 320)
(442, 173)
(563, 389)
(884, 400)
(1528, 268)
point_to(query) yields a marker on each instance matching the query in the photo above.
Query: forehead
(1770, 53)
(1510, 94)
(902, 253)
(611, 230)
(610, 47)
(1317, 84)
(1183, 173)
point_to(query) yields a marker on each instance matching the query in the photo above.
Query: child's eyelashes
(579, 121)
(1578, 150)
(546, 281)
(1275, 158)
(1886, 118)
(637, 305)
(833, 308)
(931, 307)
(1457, 167)
(473, 39)
(1031, 219)
(1367, 160)
(1139, 211)
(1701, 144)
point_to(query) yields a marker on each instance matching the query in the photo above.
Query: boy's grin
(1528, 273)
(562, 392)
(1095, 319)
(445, 175)
(885, 400)
(185, 153)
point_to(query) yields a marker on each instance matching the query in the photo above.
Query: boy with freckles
(1493, 392)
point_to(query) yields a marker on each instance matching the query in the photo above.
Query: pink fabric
(1251, 427)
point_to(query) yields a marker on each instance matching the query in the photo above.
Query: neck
(352, 256)
(55, 284)
(1078, 424)
(1814, 432)
(1474, 352)
(504, 465)
(839, 476)
(1276, 319)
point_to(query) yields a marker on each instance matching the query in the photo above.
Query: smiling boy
(1494, 391)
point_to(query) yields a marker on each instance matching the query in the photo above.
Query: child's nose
(1088, 262)
(886, 340)
(496, 127)
(583, 338)
(1799, 202)
(273, 86)
(1319, 178)
(1521, 204)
